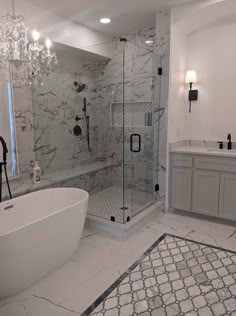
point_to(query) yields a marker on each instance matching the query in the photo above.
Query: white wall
(178, 105)
(177, 109)
(180, 14)
(59, 29)
(212, 52)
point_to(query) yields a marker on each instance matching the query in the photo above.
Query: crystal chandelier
(20, 60)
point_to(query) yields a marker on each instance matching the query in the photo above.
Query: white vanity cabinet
(203, 184)
(227, 201)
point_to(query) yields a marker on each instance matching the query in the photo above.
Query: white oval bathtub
(38, 233)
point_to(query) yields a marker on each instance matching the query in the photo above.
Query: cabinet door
(228, 196)
(181, 188)
(206, 186)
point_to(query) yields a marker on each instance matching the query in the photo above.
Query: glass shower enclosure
(123, 96)
(131, 138)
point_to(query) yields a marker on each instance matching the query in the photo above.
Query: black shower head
(79, 87)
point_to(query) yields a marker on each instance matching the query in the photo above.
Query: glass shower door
(141, 153)
(141, 129)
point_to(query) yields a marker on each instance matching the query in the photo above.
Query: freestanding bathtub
(39, 232)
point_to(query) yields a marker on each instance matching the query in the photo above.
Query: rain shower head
(79, 87)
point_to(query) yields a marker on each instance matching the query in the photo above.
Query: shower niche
(137, 114)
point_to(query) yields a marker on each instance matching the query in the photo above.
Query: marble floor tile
(199, 287)
(201, 230)
(33, 306)
(100, 260)
(88, 292)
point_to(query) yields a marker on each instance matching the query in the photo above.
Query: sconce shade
(191, 76)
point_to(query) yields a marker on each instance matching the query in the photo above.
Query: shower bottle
(36, 173)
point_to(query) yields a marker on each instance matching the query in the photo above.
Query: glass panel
(142, 86)
(125, 202)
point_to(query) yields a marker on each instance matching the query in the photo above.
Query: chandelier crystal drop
(21, 61)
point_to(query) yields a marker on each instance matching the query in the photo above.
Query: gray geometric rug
(175, 276)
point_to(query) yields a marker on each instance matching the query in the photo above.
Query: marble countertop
(209, 151)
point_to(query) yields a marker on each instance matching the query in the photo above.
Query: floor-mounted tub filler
(39, 232)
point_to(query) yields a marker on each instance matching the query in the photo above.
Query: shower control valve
(77, 118)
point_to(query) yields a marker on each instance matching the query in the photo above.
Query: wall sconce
(191, 77)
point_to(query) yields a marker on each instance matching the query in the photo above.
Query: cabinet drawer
(216, 163)
(180, 160)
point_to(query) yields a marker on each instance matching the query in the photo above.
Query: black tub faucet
(3, 163)
(229, 141)
(4, 150)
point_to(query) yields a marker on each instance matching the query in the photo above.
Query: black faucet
(229, 141)
(3, 163)
(4, 151)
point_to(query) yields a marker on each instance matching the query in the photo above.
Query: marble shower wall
(56, 105)
(46, 130)
(24, 125)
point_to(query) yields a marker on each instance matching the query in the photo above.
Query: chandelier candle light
(20, 60)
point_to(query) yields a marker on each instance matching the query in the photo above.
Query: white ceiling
(126, 15)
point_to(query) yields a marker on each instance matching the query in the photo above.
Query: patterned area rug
(175, 276)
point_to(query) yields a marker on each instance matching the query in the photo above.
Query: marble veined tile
(100, 261)
(175, 276)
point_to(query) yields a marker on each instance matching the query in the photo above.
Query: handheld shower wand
(87, 123)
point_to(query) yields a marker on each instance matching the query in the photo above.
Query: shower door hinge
(157, 188)
(160, 71)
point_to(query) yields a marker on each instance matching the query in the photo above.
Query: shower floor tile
(108, 203)
(175, 276)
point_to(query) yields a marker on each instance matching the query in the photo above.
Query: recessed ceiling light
(105, 20)
(149, 42)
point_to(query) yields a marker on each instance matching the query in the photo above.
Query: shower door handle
(132, 136)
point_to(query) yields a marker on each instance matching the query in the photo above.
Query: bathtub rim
(49, 215)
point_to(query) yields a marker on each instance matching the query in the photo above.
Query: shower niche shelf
(136, 114)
